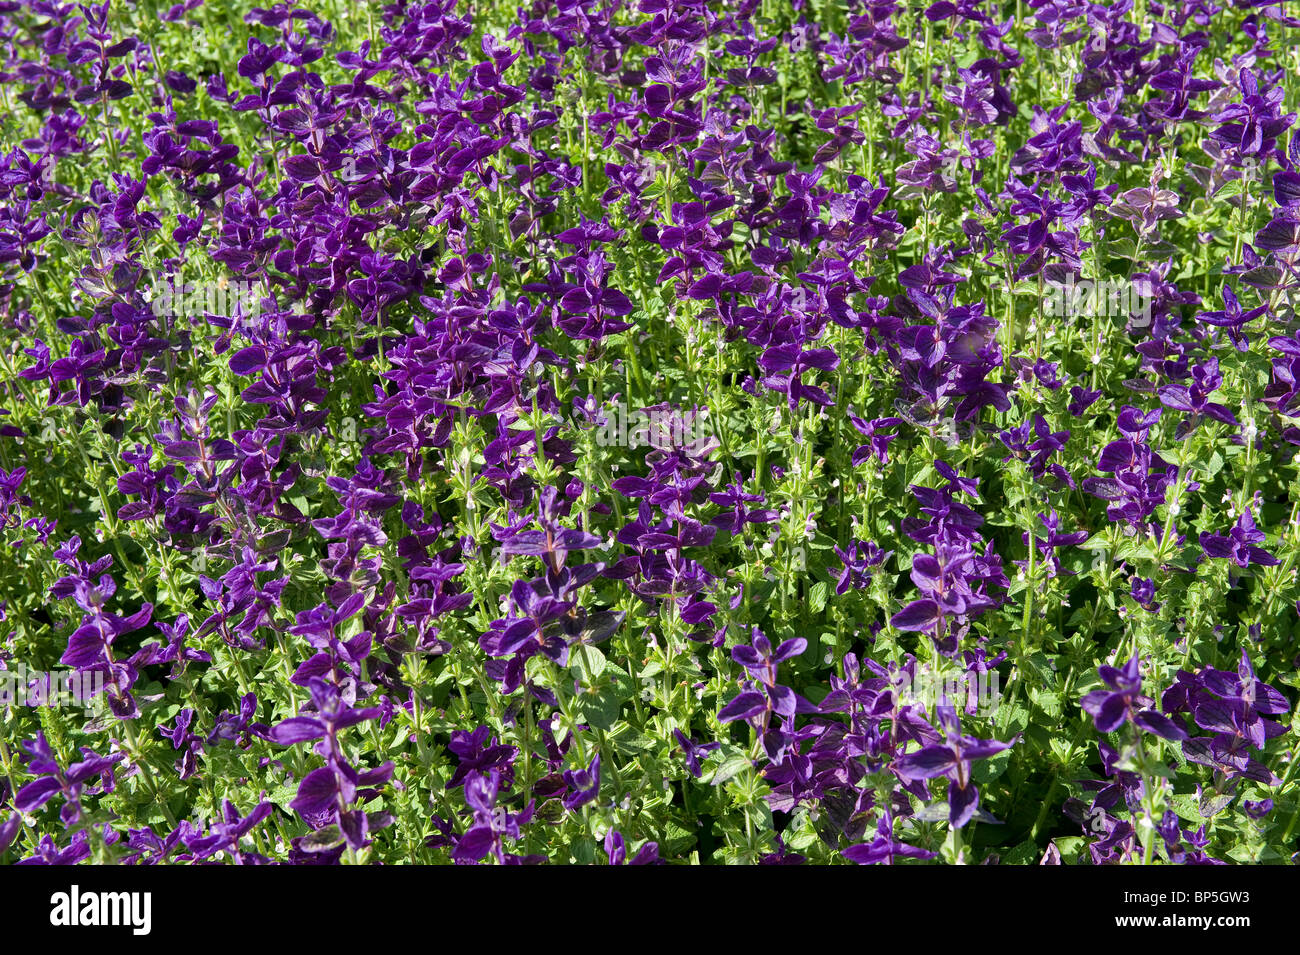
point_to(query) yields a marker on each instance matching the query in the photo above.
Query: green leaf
(584, 851)
(1259, 366)
(987, 770)
(1026, 853)
(652, 669)
(802, 840)
(1046, 701)
(1186, 807)
(1229, 189)
(589, 662)
(1069, 847)
(1122, 248)
(729, 768)
(282, 796)
(322, 840)
(602, 707)
(1097, 541)
(630, 743)
(1213, 803)
(677, 840)
(1010, 720)
(817, 596)
(1042, 665)
(1243, 854)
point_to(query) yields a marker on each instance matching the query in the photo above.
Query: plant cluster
(321, 325)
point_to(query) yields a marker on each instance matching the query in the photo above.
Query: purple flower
(1239, 544)
(70, 784)
(479, 752)
(951, 759)
(1143, 591)
(327, 795)
(737, 514)
(1122, 701)
(1081, 399)
(1194, 398)
(616, 850)
(583, 784)
(1232, 318)
(883, 849)
(227, 834)
(9, 830)
(768, 697)
(492, 825)
(858, 562)
(694, 751)
(1235, 707)
(785, 365)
